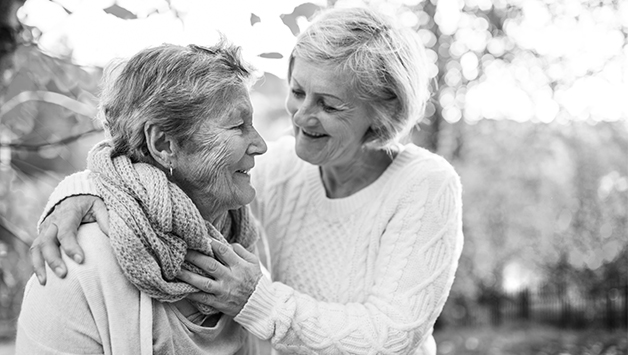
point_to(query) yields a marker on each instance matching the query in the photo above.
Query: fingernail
(59, 271)
(77, 258)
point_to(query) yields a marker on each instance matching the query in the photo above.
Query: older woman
(174, 176)
(364, 231)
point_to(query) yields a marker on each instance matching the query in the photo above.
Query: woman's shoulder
(95, 244)
(100, 264)
(93, 300)
(417, 162)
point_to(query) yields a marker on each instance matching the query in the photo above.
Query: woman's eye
(297, 93)
(328, 108)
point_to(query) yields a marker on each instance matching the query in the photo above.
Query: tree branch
(36, 147)
(50, 97)
(14, 231)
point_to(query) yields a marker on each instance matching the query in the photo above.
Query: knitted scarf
(153, 223)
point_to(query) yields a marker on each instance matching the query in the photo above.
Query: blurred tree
(10, 286)
(550, 198)
(43, 105)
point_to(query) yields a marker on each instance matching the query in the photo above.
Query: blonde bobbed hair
(386, 62)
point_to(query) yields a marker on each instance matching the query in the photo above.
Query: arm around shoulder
(76, 184)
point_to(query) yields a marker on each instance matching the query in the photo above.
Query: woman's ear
(160, 145)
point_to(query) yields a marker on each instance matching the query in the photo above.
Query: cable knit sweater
(365, 274)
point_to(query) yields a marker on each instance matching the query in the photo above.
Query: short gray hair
(387, 63)
(175, 87)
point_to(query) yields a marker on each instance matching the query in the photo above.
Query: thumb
(101, 215)
(244, 254)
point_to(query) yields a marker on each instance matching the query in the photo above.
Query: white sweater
(364, 274)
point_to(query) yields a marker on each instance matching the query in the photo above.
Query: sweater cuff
(255, 316)
(75, 184)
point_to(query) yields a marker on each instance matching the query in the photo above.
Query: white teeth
(243, 171)
(312, 133)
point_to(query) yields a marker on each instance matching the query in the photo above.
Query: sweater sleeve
(414, 271)
(76, 184)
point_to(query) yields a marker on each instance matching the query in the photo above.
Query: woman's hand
(60, 228)
(235, 273)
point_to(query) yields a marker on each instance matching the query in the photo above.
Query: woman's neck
(211, 212)
(345, 180)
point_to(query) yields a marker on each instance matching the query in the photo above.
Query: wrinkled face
(216, 177)
(329, 121)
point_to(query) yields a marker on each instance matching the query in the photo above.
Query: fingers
(219, 302)
(68, 227)
(208, 264)
(48, 246)
(37, 257)
(99, 210)
(225, 254)
(204, 284)
(207, 299)
(244, 254)
(231, 283)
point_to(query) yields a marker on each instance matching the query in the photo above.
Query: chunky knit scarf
(153, 223)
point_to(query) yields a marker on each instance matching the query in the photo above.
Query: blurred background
(530, 104)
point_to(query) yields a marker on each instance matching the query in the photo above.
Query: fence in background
(607, 309)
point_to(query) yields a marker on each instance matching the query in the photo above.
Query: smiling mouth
(245, 172)
(312, 134)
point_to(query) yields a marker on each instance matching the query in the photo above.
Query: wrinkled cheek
(211, 172)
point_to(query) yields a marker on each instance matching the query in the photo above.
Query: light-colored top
(95, 310)
(364, 274)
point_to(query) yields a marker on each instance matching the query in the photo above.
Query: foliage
(530, 340)
(525, 185)
(527, 104)
(536, 192)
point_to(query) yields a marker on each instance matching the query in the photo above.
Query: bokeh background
(530, 104)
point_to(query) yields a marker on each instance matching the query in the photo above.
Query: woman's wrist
(76, 184)
(256, 313)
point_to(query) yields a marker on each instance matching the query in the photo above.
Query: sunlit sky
(583, 49)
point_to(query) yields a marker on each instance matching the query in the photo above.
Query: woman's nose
(258, 144)
(304, 115)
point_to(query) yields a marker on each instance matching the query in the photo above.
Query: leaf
(120, 12)
(307, 10)
(271, 55)
(254, 19)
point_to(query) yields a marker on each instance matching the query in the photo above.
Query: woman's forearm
(76, 184)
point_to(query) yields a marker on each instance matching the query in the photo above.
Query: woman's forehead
(322, 79)
(238, 108)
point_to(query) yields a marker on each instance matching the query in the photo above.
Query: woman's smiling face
(220, 172)
(329, 121)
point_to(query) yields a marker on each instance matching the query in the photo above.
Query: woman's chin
(245, 196)
(308, 152)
